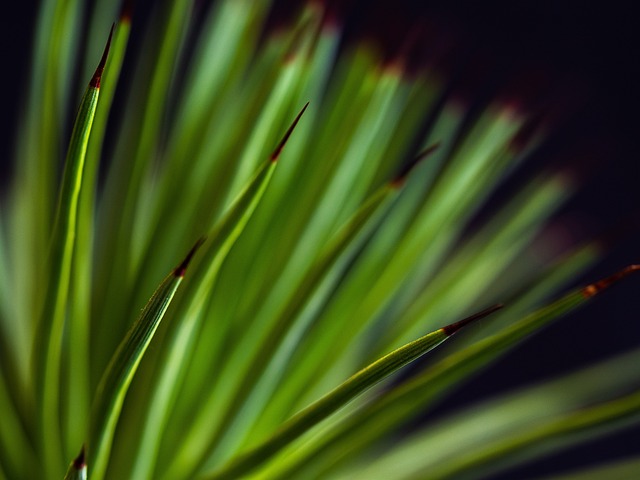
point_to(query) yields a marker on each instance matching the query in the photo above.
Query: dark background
(574, 59)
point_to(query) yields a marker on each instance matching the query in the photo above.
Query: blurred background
(574, 65)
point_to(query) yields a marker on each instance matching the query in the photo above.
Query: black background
(578, 56)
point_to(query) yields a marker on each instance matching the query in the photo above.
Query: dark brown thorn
(95, 80)
(591, 290)
(126, 11)
(79, 462)
(400, 178)
(180, 270)
(454, 327)
(276, 153)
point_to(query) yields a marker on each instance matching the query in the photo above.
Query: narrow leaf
(78, 402)
(48, 348)
(117, 378)
(341, 395)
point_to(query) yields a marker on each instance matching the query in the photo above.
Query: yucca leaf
(117, 378)
(79, 359)
(181, 340)
(340, 396)
(48, 349)
(395, 407)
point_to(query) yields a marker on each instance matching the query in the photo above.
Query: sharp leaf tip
(276, 153)
(181, 269)
(454, 327)
(595, 288)
(97, 76)
(80, 461)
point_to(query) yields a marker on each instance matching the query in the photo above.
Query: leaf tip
(454, 327)
(406, 169)
(276, 153)
(97, 76)
(80, 461)
(181, 269)
(595, 288)
(126, 11)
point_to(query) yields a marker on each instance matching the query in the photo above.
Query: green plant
(320, 257)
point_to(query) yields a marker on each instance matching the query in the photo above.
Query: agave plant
(328, 215)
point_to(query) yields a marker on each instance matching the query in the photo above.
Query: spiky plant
(322, 257)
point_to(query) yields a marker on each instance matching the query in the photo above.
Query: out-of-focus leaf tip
(597, 287)
(400, 178)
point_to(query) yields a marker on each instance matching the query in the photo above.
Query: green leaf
(78, 392)
(117, 378)
(181, 339)
(48, 340)
(340, 396)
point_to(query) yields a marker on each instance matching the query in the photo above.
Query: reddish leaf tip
(276, 153)
(595, 288)
(79, 462)
(95, 80)
(126, 11)
(181, 269)
(406, 169)
(454, 327)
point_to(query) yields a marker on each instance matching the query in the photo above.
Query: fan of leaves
(325, 256)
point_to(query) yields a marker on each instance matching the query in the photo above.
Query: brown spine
(454, 327)
(95, 80)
